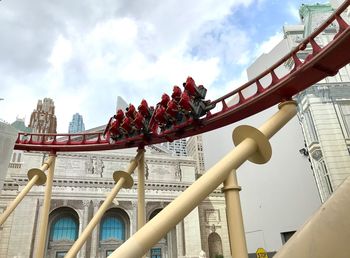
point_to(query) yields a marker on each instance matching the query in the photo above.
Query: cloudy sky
(83, 54)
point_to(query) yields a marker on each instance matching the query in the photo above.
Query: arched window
(64, 228)
(157, 250)
(215, 245)
(112, 227)
(114, 230)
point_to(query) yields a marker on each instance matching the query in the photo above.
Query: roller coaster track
(251, 98)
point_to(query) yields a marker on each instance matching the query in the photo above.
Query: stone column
(133, 222)
(94, 237)
(180, 238)
(84, 222)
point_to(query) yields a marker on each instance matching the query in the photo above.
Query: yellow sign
(261, 253)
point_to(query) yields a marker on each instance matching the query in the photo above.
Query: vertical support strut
(234, 217)
(141, 217)
(36, 176)
(167, 219)
(122, 179)
(46, 208)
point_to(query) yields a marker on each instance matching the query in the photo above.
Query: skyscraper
(43, 118)
(178, 147)
(195, 149)
(77, 124)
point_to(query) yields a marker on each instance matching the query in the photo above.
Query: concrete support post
(18, 199)
(36, 176)
(105, 205)
(46, 208)
(141, 217)
(254, 146)
(327, 233)
(234, 217)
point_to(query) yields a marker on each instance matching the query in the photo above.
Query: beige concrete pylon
(238, 244)
(36, 176)
(122, 179)
(46, 208)
(141, 217)
(327, 233)
(253, 148)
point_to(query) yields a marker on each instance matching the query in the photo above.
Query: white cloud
(61, 52)
(267, 45)
(293, 11)
(134, 50)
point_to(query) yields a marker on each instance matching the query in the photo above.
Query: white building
(279, 196)
(195, 149)
(324, 111)
(8, 136)
(323, 108)
(81, 183)
(177, 147)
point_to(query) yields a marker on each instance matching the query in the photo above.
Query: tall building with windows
(324, 108)
(324, 111)
(8, 136)
(43, 118)
(77, 124)
(177, 147)
(194, 149)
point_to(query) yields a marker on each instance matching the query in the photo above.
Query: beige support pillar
(122, 179)
(36, 176)
(252, 148)
(141, 217)
(46, 208)
(327, 233)
(234, 217)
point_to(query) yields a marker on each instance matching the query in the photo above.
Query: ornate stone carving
(96, 203)
(86, 203)
(89, 165)
(178, 172)
(99, 166)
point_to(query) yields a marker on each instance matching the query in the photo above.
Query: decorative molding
(96, 203)
(317, 154)
(86, 203)
(212, 215)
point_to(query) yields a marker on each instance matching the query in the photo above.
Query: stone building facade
(324, 108)
(81, 183)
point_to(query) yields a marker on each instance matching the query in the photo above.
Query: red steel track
(321, 61)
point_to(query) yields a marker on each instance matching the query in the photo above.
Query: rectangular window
(156, 252)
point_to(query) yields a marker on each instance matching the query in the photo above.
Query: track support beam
(121, 181)
(164, 221)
